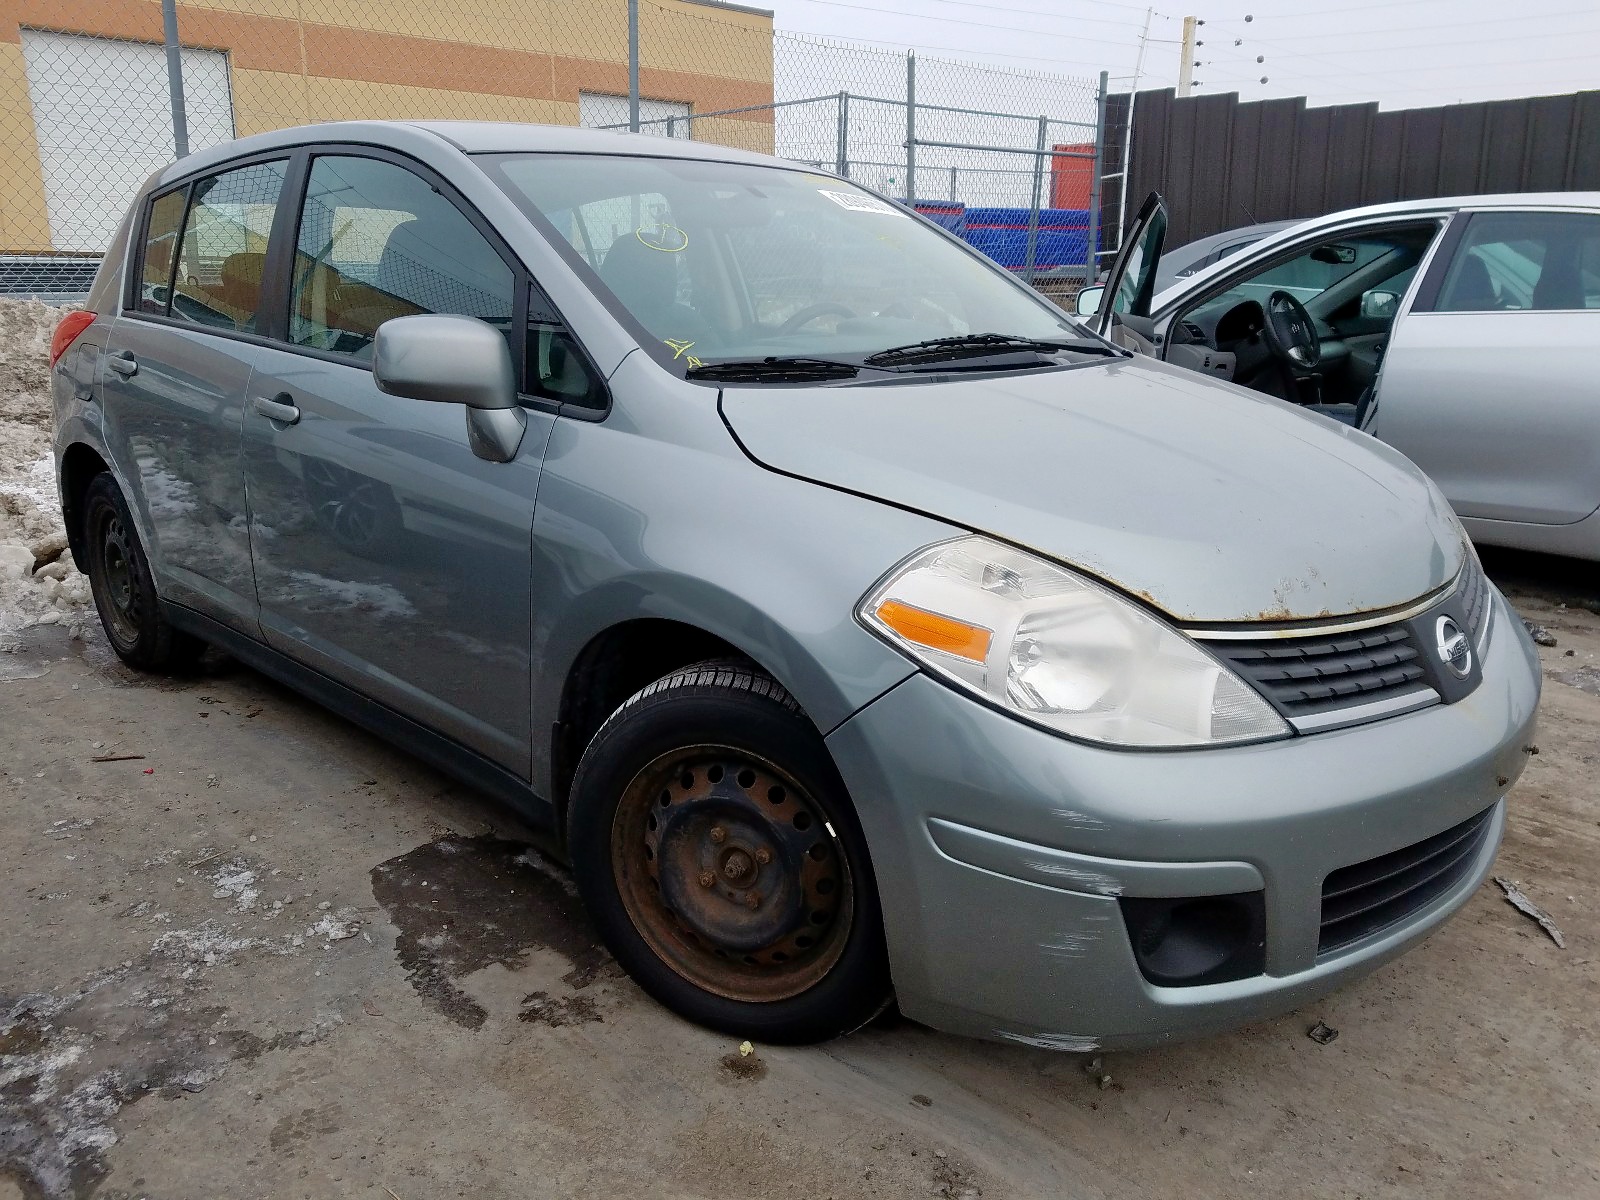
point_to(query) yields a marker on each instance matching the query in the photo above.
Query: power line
(1331, 12)
(1269, 40)
(1024, 12)
(1412, 69)
(1077, 37)
(1431, 90)
(966, 51)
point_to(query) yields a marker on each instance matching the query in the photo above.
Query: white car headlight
(1061, 650)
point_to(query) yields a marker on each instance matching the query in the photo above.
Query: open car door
(1124, 300)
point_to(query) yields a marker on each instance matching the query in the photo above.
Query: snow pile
(39, 585)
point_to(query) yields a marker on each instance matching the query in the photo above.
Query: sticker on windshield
(668, 239)
(856, 202)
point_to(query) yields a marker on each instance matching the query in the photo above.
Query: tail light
(70, 330)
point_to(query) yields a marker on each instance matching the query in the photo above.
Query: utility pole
(1127, 127)
(1186, 65)
(911, 127)
(180, 116)
(633, 65)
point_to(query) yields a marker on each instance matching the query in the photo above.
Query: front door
(1131, 284)
(387, 554)
(1489, 381)
(1347, 285)
(176, 364)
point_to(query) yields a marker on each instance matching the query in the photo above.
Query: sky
(1400, 53)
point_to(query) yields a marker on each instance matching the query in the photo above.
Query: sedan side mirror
(454, 360)
(446, 359)
(1087, 301)
(1379, 306)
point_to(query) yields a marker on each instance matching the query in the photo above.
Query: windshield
(724, 262)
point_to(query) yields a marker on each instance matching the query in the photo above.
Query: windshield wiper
(981, 345)
(774, 370)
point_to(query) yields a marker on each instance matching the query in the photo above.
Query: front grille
(1363, 899)
(1303, 676)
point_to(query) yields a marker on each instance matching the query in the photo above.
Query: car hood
(1210, 502)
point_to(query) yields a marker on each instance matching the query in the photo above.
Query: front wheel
(715, 847)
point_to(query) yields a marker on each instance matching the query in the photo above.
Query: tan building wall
(511, 60)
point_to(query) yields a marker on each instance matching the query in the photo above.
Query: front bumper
(1001, 850)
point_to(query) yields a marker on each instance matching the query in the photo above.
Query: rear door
(388, 555)
(1489, 381)
(174, 373)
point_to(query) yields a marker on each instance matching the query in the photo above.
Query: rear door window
(377, 241)
(222, 255)
(1534, 261)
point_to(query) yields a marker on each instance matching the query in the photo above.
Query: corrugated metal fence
(1222, 163)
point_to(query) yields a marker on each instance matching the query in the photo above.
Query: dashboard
(1226, 340)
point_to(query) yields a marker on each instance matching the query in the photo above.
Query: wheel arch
(629, 636)
(614, 664)
(80, 463)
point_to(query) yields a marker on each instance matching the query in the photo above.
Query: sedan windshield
(736, 263)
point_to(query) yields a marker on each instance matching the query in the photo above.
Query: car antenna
(1248, 213)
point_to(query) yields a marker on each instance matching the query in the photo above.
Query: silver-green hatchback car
(860, 625)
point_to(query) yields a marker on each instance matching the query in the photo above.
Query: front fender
(630, 526)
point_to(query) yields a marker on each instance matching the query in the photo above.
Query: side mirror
(446, 359)
(1087, 302)
(1379, 306)
(454, 360)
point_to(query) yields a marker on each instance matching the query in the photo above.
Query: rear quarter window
(158, 252)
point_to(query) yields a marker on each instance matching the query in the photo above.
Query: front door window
(377, 241)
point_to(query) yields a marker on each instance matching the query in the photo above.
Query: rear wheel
(124, 590)
(716, 849)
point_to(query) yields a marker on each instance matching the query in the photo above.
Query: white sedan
(1465, 332)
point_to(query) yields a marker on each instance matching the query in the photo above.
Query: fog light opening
(1185, 941)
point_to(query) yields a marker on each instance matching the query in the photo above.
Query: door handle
(123, 363)
(276, 409)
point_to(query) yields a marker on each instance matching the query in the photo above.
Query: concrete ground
(274, 957)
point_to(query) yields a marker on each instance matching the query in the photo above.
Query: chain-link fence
(97, 94)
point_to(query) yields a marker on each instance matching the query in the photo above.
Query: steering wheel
(811, 312)
(1291, 333)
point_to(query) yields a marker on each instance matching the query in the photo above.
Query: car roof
(1294, 230)
(1494, 200)
(1268, 230)
(1213, 240)
(470, 137)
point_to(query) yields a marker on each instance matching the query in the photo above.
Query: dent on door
(172, 428)
(391, 556)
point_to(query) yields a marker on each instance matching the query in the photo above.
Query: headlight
(1061, 650)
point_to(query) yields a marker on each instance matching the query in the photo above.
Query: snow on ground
(39, 584)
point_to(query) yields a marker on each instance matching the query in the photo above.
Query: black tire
(124, 590)
(720, 748)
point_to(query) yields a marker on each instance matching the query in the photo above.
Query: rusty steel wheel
(732, 874)
(715, 847)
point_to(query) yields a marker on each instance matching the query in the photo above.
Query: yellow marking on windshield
(668, 239)
(678, 347)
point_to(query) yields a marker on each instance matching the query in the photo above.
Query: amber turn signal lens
(935, 631)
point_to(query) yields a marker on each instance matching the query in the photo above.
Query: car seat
(1471, 289)
(646, 281)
